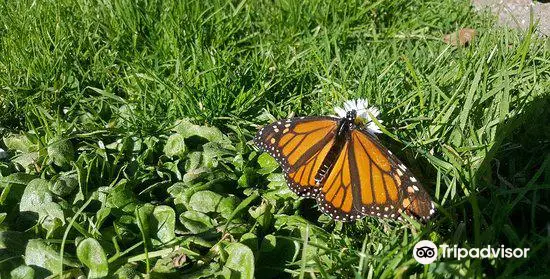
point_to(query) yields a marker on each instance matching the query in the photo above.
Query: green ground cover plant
(126, 133)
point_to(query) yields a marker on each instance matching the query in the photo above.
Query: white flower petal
(364, 112)
(349, 105)
(3, 154)
(362, 103)
(373, 128)
(340, 111)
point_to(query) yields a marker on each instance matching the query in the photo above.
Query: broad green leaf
(122, 197)
(158, 222)
(278, 193)
(14, 186)
(197, 241)
(41, 254)
(213, 152)
(175, 146)
(91, 254)
(61, 153)
(2, 217)
(263, 215)
(172, 262)
(194, 169)
(19, 178)
(204, 272)
(177, 191)
(27, 160)
(196, 222)
(125, 228)
(250, 240)
(205, 201)
(127, 272)
(22, 272)
(226, 273)
(20, 143)
(144, 219)
(240, 260)
(215, 149)
(267, 164)
(38, 199)
(65, 184)
(228, 205)
(173, 167)
(239, 162)
(193, 161)
(165, 218)
(278, 187)
(50, 212)
(35, 196)
(101, 215)
(268, 243)
(187, 129)
(52, 227)
(246, 179)
(236, 227)
(195, 174)
(276, 177)
(182, 192)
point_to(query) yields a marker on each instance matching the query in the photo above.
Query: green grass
(103, 177)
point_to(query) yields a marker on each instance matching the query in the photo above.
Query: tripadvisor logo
(425, 252)
(483, 253)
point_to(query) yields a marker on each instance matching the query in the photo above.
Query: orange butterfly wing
(299, 145)
(337, 196)
(367, 179)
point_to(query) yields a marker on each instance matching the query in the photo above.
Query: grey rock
(517, 13)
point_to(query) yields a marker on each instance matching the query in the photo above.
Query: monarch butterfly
(342, 165)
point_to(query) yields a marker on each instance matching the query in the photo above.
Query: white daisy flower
(361, 106)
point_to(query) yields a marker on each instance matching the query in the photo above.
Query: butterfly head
(355, 119)
(351, 115)
(347, 123)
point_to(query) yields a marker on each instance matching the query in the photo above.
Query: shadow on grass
(513, 199)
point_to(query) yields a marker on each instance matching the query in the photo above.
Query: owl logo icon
(425, 252)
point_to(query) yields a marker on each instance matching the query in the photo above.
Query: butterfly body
(345, 125)
(344, 167)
